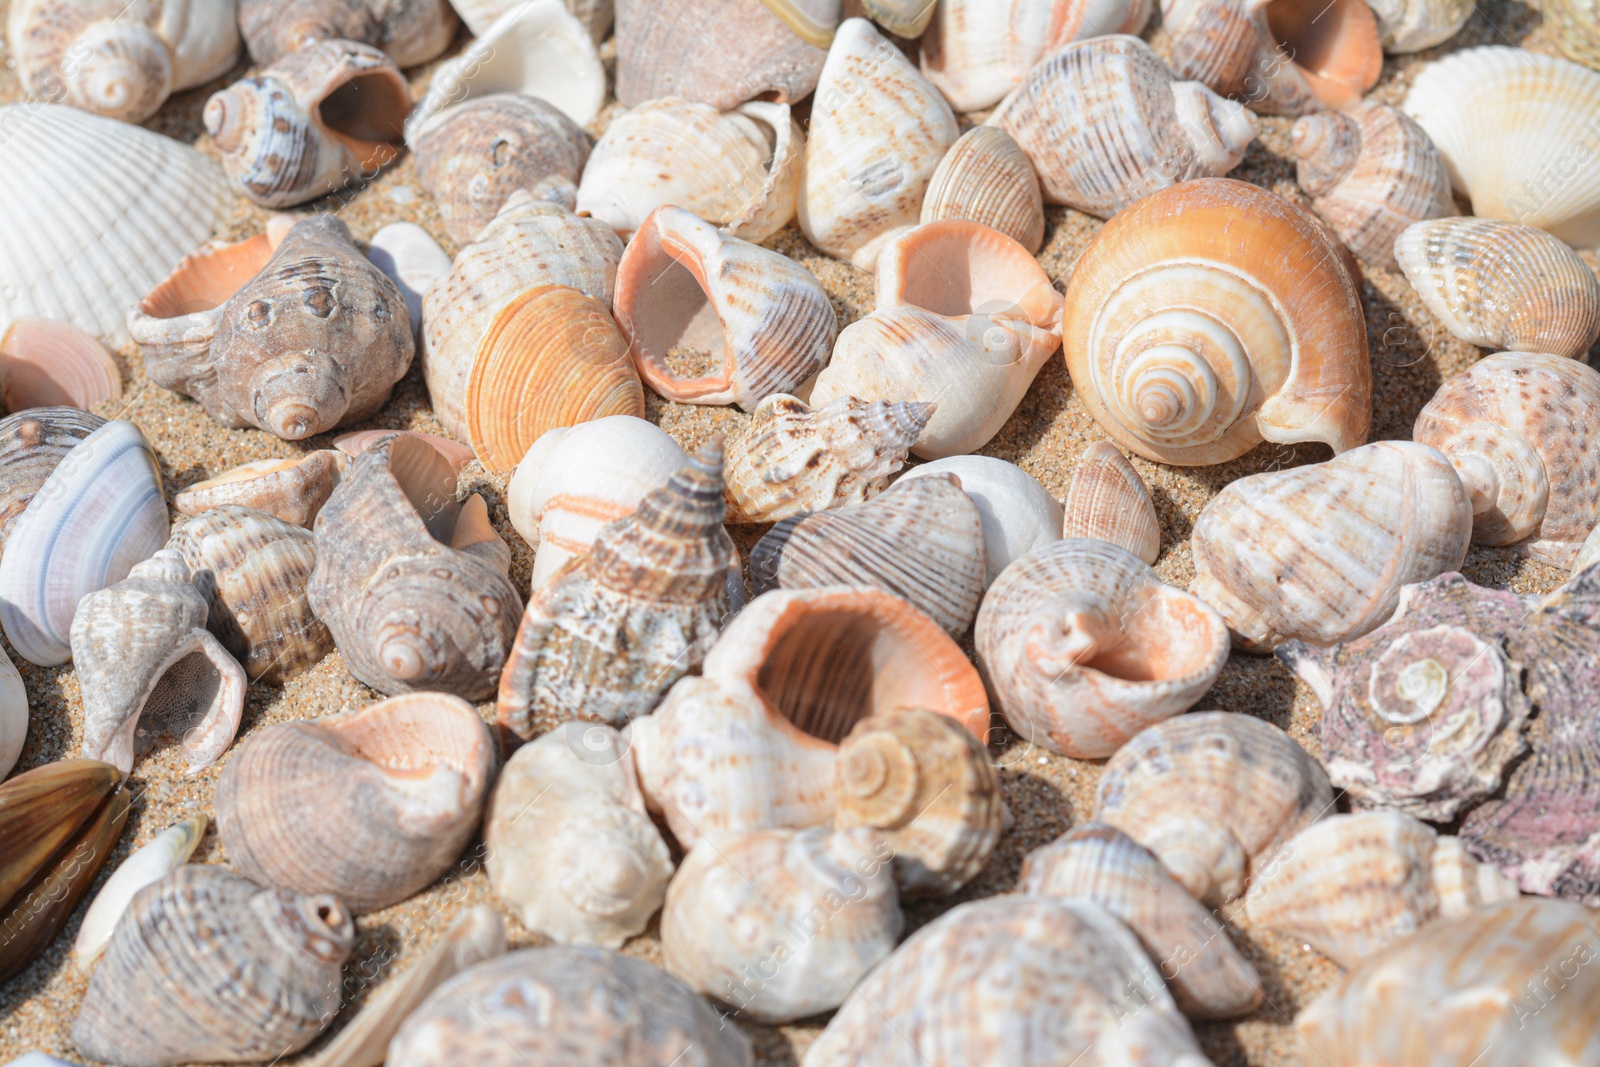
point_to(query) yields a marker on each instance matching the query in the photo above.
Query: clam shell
(168, 851)
(1412, 25)
(292, 490)
(13, 715)
(716, 52)
(986, 177)
(1108, 501)
(410, 257)
(1575, 26)
(1018, 513)
(32, 445)
(45, 364)
(412, 32)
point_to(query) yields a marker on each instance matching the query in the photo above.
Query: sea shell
(412, 32)
(1515, 131)
(1505, 986)
(98, 513)
(1412, 25)
(32, 445)
(479, 15)
(175, 323)
(1018, 514)
(1214, 795)
(1208, 976)
(570, 846)
(970, 984)
(683, 287)
(46, 364)
(611, 633)
(1108, 501)
(986, 178)
(160, 857)
(1575, 27)
(1588, 553)
(929, 787)
(903, 18)
(411, 584)
(13, 715)
(293, 490)
(964, 317)
(1503, 286)
(878, 132)
(1083, 647)
(1320, 553)
(751, 744)
(1283, 59)
(587, 1005)
(1168, 130)
(716, 52)
(356, 442)
(1370, 172)
(475, 155)
(1352, 884)
(738, 170)
(118, 59)
(814, 20)
(818, 907)
(85, 242)
(1214, 315)
(203, 949)
(293, 132)
(410, 257)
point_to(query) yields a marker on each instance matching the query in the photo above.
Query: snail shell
(1108, 501)
(175, 324)
(45, 363)
(1412, 25)
(987, 178)
(32, 444)
(1018, 513)
(1575, 26)
(292, 490)
(1211, 316)
(169, 850)
(412, 32)
(716, 52)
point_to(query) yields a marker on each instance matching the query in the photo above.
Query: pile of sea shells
(764, 700)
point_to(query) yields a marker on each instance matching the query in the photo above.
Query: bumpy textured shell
(1370, 172)
(411, 584)
(168, 851)
(587, 1005)
(1423, 714)
(716, 52)
(986, 177)
(1575, 25)
(1214, 795)
(1168, 131)
(1084, 647)
(44, 363)
(1108, 501)
(921, 540)
(292, 490)
(1501, 285)
(968, 986)
(1214, 315)
(929, 787)
(1320, 553)
(410, 31)
(1018, 513)
(208, 967)
(817, 907)
(1412, 25)
(32, 444)
(1208, 976)
(1507, 986)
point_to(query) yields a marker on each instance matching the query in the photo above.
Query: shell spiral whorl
(123, 70)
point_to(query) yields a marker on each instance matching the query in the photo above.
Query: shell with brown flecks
(986, 177)
(716, 52)
(411, 31)
(293, 490)
(1108, 501)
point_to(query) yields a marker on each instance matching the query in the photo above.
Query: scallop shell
(1320, 553)
(46, 364)
(1516, 131)
(1083, 647)
(1017, 513)
(1214, 795)
(292, 490)
(1168, 130)
(1575, 27)
(683, 287)
(168, 851)
(929, 787)
(986, 178)
(473, 156)
(964, 318)
(611, 633)
(411, 584)
(571, 849)
(1214, 315)
(751, 744)
(1505, 986)
(203, 949)
(32, 444)
(1412, 25)
(823, 913)
(410, 257)
(738, 170)
(956, 987)
(86, 243)
(588, 1005)
(1097, 863)
(716, 52)
(98, 513)
(1108, 501)
(1503, 286)
(412, 32)
(13, 715)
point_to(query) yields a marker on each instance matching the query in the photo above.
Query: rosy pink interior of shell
(368, 113)
(956, 268)
(353, 444)
(45, 364)
(207, 279)
(1167, 637)
(1336, 44)
(670, 310)
(409, 736)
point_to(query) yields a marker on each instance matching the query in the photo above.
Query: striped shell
(987, 178)
(1108, 501)
(293, 489)
(1018, 514)
(32, 444)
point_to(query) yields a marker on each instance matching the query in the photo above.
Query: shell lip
(366, 113)
(207, 278)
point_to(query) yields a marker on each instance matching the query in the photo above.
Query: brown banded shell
(32, 444)
(411, 31)
(1108, 501)
(717, 52)
(292, 490)
(986, 177)
(176, 323)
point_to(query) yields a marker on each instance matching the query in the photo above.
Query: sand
(1411, 355)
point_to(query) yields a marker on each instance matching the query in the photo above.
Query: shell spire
(689, 508)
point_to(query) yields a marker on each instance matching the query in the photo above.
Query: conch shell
(1108, 501)
(716, 52)
(987, 178)
(411, 31)
(169, 850)
(1018, 513)
(292, 490)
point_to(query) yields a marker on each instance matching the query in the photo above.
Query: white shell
(170, 850)
(1018, 513)
(84, 243)
(412, 259)
(13, 715)
(479, 15)
(1412, 25)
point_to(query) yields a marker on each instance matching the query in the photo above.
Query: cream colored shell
(986, 177)
(1108, 501)
(1575, 25)
(1412, 25)
(718, 52)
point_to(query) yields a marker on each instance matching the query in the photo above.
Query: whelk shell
(1108, 501)
(716, 52)
(1018, 514)
(986, 177)
(293, 490)
(32, 444)
(160, 857)
(45, 364)
(1412, 25)
(411, 31)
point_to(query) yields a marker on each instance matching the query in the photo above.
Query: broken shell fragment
(716, 52)
(47, 364)
(1108, 501)
(166, 853)
(1018, 514)
(987, 178)
(292, 490)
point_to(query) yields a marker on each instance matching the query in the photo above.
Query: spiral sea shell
(1018, 513)
(1575, 25)
(987, 178)
(292, 490)
(716, 52)
(1108, 501)
(411, 31)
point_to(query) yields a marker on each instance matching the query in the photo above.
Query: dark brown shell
(411, 31)
(31, 444)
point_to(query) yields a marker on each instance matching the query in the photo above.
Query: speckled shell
(1214, 795)
(1018, 513)
(1207, 975)
(1168, 130)
(411, 584)
(292, 490)
(1506, 986)
(1423, 714)
(1412, 25)
(475, 155)
(587, 1005)
(203, 950)
(1084, 647)
(1214, 315)
(929, 787)
(32, 444)
(921, 540)
(716, 52)
(986, 178)
(1370, 172)
(165, 853)
(968, 985)
(1108, 501)
(1320, 553)
(1575, 26)
(1501, 285)
(411, 31)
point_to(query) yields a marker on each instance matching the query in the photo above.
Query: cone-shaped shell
(986, 177)
(1320, 553)
(1214, 315)
(169, 850)
(200, 951)
(1208, 976)
(1575, 25)
(411, 31)
(292, 490)
(1412, 25)
(611, 633)
(45, 363)
(1214, 795)
(1108, 501)
(716, 52)
(32, 444)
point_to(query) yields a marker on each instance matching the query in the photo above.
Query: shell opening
(413, 734)
(674, 327)
(1336, 46)
(956, 268)
(368, 112)
(206, 280)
